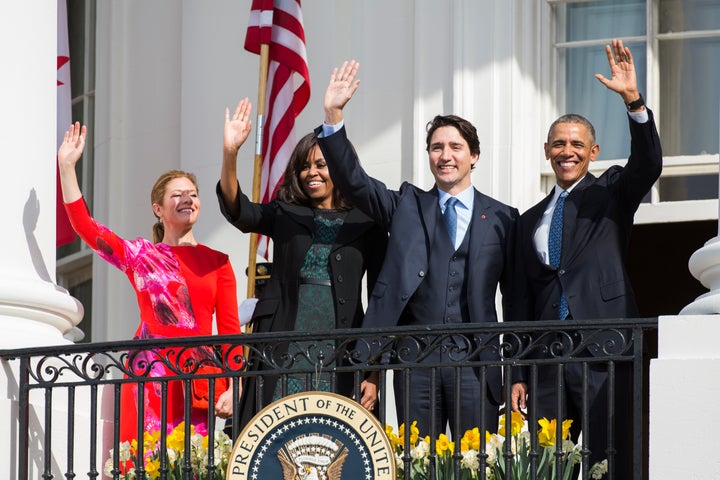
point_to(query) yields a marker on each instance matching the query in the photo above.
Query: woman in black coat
(322, 247)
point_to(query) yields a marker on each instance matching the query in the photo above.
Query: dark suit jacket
(598, 218)
(410, 215)
(359, 246)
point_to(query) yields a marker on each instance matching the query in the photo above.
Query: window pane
(691, 187)
(588, 97)
(689, 79)
(686, 15)
(76, 36)
(602, 19)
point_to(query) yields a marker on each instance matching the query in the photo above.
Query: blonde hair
(158, 192)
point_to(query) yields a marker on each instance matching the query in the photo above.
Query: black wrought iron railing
(69, 397)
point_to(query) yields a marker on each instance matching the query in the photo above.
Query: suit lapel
(428, 202)
(479, 222)
(570, 215)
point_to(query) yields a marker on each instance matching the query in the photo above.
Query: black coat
(359, 247)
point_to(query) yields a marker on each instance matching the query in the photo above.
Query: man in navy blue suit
(587, 278)
(449, 248)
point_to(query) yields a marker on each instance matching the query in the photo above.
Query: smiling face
(180, 204)
(570, 149)
(315, 180)
(450, 159)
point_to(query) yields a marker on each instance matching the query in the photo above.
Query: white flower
(125, 451)
(489, 473)
(492, 453)
(493, 449)
(470, 460)
(108, 470)
(420, 451)
(598, 470)
(575, 452)
(172, 456)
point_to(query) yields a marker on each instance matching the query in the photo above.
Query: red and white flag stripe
(280, 24)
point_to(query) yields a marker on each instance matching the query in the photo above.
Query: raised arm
(340, 90)
(622, 67)
(69, 153)
(237, 128)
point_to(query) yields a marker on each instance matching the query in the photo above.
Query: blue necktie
(450, 216)
(555, 247)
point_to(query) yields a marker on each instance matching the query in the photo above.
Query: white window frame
(656, 211)
(76, 268)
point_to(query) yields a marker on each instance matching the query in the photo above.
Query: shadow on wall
(31, 213)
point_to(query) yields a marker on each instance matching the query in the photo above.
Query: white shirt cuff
(328, 130)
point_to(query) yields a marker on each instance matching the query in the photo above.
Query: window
(676, 46)
(74, 260)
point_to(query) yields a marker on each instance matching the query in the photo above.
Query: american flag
(279, 23)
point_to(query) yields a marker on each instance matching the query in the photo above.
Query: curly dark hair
(291, 191)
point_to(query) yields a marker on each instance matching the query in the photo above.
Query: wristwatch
(635, 104)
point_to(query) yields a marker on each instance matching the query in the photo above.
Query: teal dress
(316, 310)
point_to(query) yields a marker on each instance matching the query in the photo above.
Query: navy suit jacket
(410, 216)
(597, 221)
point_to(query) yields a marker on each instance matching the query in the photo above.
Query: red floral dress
(178, 290)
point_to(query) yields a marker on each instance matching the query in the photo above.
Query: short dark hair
(291, 191)
(573, 118)
(466, 129)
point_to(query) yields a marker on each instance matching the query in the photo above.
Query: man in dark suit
(571, 250)
(434, 272)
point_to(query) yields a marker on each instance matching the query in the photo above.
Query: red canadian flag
(63, 230)
(279, 23)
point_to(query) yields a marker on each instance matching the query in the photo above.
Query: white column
(34, 311)
(683, 388)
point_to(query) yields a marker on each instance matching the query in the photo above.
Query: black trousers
(596, 432)
(472, 403)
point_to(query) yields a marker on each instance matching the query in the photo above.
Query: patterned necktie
(450, 217)
(555, 247)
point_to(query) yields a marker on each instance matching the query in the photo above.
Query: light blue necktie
(450, 216)
(555, 247)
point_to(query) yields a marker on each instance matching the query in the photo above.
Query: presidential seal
(312, 436)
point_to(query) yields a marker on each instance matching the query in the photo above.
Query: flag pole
(257, 166)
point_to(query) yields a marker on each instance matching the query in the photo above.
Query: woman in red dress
(179, 285)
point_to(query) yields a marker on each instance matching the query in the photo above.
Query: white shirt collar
(466, 197)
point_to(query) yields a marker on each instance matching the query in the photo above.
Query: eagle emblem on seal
(312, 457)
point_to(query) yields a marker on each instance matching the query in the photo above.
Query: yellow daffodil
(150, 439)
(394, 439)
(444, 445)
(516, 424)
(471, 440)
(152, 468)
(414, 433)
(176, 439)
(546, 435)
